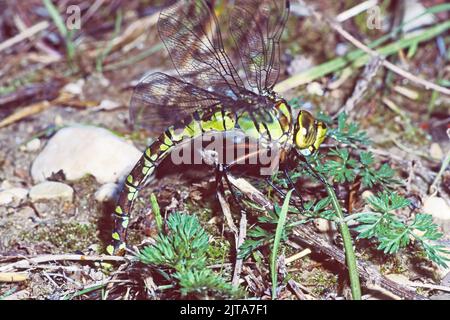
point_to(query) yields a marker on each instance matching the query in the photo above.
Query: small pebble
(5, 185)
(51, 190)
(440, 211)
(417, 17)
(108, 105)
(436, 151)
(11, 195)
(341, 49)
(75, 88)
(299, 64)
(24, 213)
(58, 121)
(367, 194)
(5, 198)
(326, 227)
(446, 279)
(323, 225)
(22, 173)
(33, 145)
(315, 88)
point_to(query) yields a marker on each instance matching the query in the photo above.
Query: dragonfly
(212, 93)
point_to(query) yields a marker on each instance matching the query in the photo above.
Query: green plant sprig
(181, 254)
(393, 234)
(344, 168)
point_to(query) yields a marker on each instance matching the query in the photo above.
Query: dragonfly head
(309, 133)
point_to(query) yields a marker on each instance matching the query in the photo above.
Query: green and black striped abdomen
(274, 126)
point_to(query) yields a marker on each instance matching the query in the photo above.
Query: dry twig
(363, 84)
(240, 241)
(35, 108)
(27, 33)
(13, 276)
(30, 262)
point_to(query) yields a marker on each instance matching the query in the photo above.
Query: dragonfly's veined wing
(190, 31)
(160, 100)
(256, 26)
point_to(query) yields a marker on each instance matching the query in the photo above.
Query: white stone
(13, 194)
(107, 192)
(108, 105)
(49, 190)
(5, 185)
(367, 194)
(59, 121)
(440, 211)
(323, 225)
(315, 88)
(75, 88)
(5, 198)
(33, 145)
(414, 8)
(82, 150)
(299, 64)
(326, 227)
(436, 151)
(341, 49)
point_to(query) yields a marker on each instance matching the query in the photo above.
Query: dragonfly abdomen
(274, 126)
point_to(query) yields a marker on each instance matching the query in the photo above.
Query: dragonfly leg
(275, 187)
(304, 161)
(224, 171)
(221, 174)
(218, 182)
(283, 194)
(292, 185)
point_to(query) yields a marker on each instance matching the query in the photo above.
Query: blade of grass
(134, 59)
(62, 29)
(350, 257)
(156, 211)
(276, 243)
(348, 245)
(85, 291)
(7, 293)
(101, 57)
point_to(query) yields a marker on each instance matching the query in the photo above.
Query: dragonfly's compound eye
(305, 130)
(321, 134)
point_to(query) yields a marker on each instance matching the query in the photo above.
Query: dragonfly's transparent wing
(190, 32)
(256, 26)
(160, 100)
